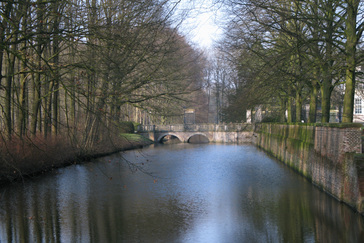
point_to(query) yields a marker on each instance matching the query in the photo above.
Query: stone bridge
(217, 133)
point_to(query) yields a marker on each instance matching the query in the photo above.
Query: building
(358, 115)
(358, 111)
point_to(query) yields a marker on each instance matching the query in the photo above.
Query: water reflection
(198, 138)
(190, 193)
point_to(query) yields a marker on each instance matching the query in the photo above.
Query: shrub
(136, 124)
(24, 156)
(126, 127)
(270, 118)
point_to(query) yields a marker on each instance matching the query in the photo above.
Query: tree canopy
(291, 53)
(72, 67)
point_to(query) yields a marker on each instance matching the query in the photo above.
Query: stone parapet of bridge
(231, 127)
(224, 133)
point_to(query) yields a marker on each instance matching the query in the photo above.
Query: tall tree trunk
(23, 76)
(298, 106)
(10, 70)
(283, 108)
(91, 74)
(9, 73)
(36, 114)
(47, 106)
(325, 100)
(22, 99)
(36, 99)
(56, 50)
(289, 110)
(313, 102)
(350, 48)
(3, 28)
(55, 103)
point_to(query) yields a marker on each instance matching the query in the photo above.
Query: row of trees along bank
(290, 53)
(77, 68)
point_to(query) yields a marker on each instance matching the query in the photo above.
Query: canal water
(175, 193)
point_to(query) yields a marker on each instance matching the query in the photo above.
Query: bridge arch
(198, 134)
(160, 138)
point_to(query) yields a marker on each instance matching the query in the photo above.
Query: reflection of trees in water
(99, 202)
(29, 214)
(147, 221)
(282, 218)
(291, 216)
(335, 221)
(75, 209)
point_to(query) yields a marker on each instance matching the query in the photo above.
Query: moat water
(175, 193)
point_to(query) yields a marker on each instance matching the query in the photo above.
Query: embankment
(20, 158)
(329, 155)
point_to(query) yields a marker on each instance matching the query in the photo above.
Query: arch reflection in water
(198, 139)
(170, 139)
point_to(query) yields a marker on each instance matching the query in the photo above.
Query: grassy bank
(20, 158)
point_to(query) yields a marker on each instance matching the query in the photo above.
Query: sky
(203, 24)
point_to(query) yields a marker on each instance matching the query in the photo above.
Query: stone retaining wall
(329, 156)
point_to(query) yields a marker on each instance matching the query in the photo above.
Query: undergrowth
(30, 155)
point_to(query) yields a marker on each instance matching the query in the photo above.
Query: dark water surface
(187, 193)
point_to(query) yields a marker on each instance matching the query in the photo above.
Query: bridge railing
(204, 127)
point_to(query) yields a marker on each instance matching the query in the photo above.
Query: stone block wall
(335, 142)
(232, 137)
(329, 156)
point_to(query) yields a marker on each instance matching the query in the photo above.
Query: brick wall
(329, 156)
(334, 143)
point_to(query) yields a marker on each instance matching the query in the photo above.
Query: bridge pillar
(150, 135)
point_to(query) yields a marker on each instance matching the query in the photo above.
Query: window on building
(357, 105)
